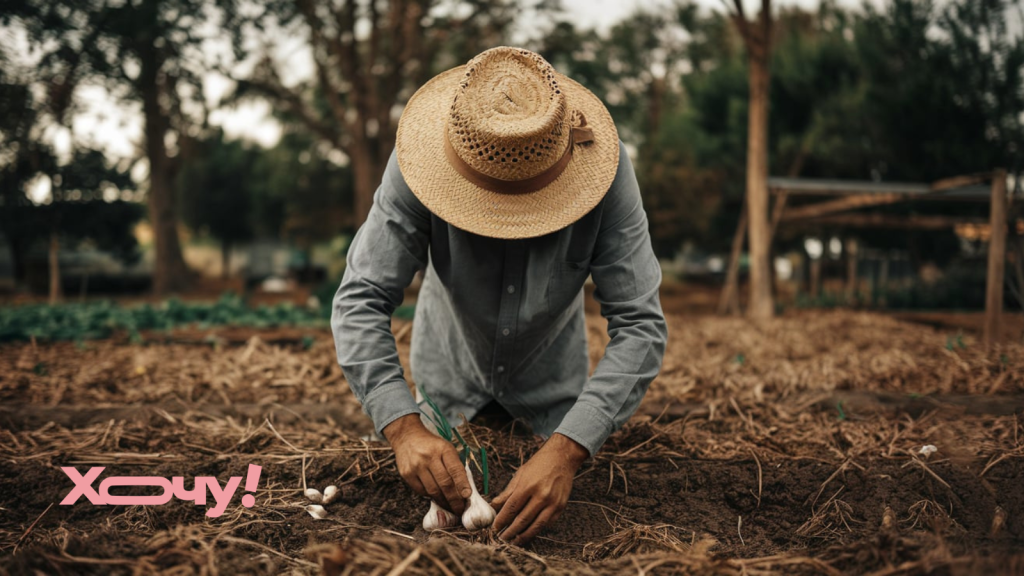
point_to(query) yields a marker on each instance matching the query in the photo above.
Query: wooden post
(815, 278)
(54, 261)
(996, 259)
(729, 300)
(757, 36)
(758, 233)
(851, 270)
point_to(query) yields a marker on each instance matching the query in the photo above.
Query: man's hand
(429, 464)
(537, 494)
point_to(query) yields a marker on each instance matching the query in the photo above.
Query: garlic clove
(478, 514)
(438, 518)
(330, 493)
(316, 511)
(314, 495)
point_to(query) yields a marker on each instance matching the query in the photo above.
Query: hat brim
(421, 158)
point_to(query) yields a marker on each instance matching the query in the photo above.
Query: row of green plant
(93, 320)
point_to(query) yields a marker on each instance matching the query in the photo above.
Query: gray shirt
(503, 319)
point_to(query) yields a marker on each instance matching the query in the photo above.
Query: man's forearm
(574, 452)
(401, 427)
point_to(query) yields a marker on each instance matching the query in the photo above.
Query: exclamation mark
(252, 481)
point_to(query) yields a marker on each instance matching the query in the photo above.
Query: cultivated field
(791, 448)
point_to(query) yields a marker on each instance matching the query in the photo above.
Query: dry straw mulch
(791, 447)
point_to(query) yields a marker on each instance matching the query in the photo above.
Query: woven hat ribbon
(578, 134)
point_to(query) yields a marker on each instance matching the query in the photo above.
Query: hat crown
(509, 118)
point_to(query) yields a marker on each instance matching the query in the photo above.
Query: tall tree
(22, 154)
(757, 36)
(218, 189)
(369, 55)
(944, 87)
(311, 190)
(76, 208)
(149, 52)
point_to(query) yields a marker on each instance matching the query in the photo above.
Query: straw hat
(507, 147)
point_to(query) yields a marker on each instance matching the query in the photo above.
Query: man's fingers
(456, 503)
(544, 519)
(432, 490)
(502, 498)
(523, 520)
(458, 473)
(417, 486)
(498, 501)
(509, 510)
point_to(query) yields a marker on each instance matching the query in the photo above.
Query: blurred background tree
(148, 52)
(219, 189)
(84, 189)
(905, 90)
(866, 94)
(369, 57)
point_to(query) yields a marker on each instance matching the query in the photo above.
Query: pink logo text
(172, 487)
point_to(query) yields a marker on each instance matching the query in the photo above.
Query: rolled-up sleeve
(384, 256)
(627, 277)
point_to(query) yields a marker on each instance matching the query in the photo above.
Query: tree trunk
(54, 260)
(169, 271)
(366, 175)
(655, 98)
(760, 307)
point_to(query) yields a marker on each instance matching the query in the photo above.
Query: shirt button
(511, 289)
(505, 332)
(501, 369)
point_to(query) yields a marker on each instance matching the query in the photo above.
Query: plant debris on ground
(804, 458)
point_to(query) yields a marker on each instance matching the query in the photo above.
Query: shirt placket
(508, 315)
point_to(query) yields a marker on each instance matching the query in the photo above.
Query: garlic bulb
(314, 495)
(438, 518)
(478, 514)
(330, 493)
(316, 511)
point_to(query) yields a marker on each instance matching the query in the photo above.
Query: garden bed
(793, 447)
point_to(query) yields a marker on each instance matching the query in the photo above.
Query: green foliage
(80, 322)
(450, 433)
(307, 342)
(76, 208)
(441, 424)
(943, 88)
(910, 90)
(913, 91)
(824, 300)
(484, 469)
(961, 287)
(218, 188)
(405, 312)
(303, 194)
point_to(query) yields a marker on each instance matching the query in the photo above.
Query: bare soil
(791, 447)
